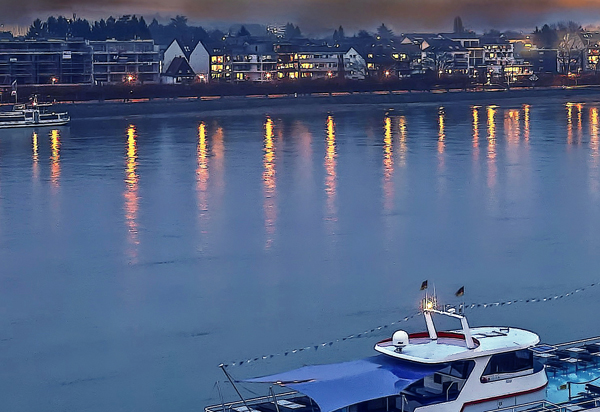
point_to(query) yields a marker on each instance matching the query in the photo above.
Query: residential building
(45, 62)
(355, 66)
(444, 56)
(541, 60)
(256, 62)
(133, 61)
(179, 72)
(320, 62)
(288, 66)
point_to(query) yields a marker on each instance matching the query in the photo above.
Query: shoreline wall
(330, 101)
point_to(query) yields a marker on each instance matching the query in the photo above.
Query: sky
(316, 15)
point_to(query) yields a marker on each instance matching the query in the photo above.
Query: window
(508, 363)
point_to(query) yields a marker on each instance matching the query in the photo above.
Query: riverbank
(329, 101)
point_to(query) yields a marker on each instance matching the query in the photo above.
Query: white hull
(33, 124)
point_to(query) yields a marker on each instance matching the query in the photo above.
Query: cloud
(402, 15)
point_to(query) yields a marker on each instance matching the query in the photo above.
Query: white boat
(33, 115)
(466, 370)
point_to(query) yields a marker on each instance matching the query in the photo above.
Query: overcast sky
(317, 15)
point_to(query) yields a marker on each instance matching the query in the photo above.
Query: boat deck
(285, 402)
(573, 370)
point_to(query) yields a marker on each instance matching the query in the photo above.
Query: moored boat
(466, 370)
(32, 115)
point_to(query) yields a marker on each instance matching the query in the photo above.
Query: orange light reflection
(569, 123)
(388, 165)
(55, 158)
(579, 123)
(269, 183)
(35, 155)
(491, 153)
(202, 173)
(526, 122)
(441, 130)
(131, 193)
(403, 134)
(330, 170)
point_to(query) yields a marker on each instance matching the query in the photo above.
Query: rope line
(368, 332)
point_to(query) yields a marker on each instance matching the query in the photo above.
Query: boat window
(510, 362)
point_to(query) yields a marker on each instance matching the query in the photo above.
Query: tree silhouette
(384, 32)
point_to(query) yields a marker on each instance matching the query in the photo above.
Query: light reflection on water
(202, 176)
(388, 165)
(35, 156)
(55, 158)
(131, 194)
(269, 184)
(518, 218)
(491, 149)
(594, 155)
(403, 136)
(331, 177)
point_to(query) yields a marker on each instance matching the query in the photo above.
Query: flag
(460, 292)
(424, 285)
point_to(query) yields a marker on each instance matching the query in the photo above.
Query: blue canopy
(339, 385)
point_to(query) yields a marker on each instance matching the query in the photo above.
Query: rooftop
(451, 346)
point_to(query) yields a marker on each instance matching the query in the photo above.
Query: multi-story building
(288, 66)
(321, 62)
(255, 62)
(497, 52)
(445, 57)
(131, 61)
(45, 62)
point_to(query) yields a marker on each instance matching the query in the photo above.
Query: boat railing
(244, 405)
(577, 342)
(577, 404)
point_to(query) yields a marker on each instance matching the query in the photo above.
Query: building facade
(45, 62)
(132, 61)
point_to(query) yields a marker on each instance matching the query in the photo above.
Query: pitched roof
(179, 67)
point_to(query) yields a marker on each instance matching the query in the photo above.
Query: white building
(355, 67)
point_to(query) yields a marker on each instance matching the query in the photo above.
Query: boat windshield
(442, 386)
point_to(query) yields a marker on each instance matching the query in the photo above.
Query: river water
(138, 253)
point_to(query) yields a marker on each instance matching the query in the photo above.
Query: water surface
(138, 253)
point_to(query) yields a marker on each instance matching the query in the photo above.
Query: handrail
(252, 401)
(576, 342)
(541, 405)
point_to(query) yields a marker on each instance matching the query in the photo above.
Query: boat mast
(234, 387)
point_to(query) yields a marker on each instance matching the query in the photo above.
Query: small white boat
(467, 370)
(32, 115)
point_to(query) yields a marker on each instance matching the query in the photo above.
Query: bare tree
(570, 51)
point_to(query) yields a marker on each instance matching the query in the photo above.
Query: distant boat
(32, 115)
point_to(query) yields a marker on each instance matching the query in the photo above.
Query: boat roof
(451, 346)
(335, 386)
